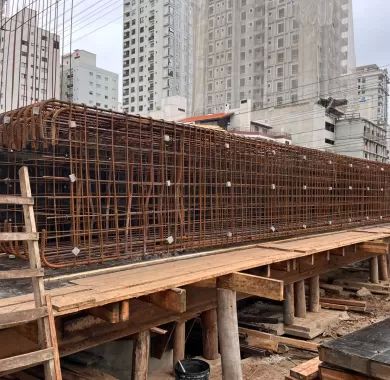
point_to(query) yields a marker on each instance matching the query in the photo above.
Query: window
(329, 127)
(279, 86)
(280, 28)
(280, 42)
(294, 54)
(279, 72)
(279, 100)
(295, 38)
(294, 83)
(280, 57)
(242, 82)
(242, 42)
(294, 69)
(328, 141)
(242, 69)
(281, 12)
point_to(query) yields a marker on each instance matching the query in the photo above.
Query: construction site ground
(277, 366)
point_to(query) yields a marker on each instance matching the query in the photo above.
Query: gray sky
(372, 31)
(371, 18)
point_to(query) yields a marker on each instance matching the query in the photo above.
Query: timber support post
(314, 294)
(228, 334)
(210, 334)
(141, 356)
(288, 305)
(374, 270)
(300, 299)
(383, 268)
(179, 342)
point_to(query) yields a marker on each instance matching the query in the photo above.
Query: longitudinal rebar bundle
(110, 186)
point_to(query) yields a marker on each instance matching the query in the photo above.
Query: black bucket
(194, 370)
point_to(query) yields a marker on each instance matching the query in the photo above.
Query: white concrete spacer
(228, 184)
(170, 239)
(72, 178)
(76, 251)
(167, 138)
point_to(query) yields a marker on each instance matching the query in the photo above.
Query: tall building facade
(369, 97)
(29, 61)
(273, 52)
(157, 53)
(84, 82)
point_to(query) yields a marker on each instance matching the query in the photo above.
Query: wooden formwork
(108, 304)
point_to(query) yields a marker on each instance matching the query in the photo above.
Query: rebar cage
(111, 186)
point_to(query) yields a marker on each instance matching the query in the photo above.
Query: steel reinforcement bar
(111, 186)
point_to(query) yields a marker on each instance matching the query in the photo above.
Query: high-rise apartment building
(84, 82)
(368, 94)
(157, 53)
(29, 61)
(273, 52)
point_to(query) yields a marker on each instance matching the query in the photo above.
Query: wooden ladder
(42, 313)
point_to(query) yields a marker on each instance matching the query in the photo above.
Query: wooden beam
(210, 283)
(264, 343)
(210, 334)
(307, 370)
(22, 273)
(338, 374)
(253, 285)
(296, 343)
(19, 236)
(173, 300)
(20, 317)
(374, 247)
(110, 313)
(228, 334)
(141, 352)
(16, 200)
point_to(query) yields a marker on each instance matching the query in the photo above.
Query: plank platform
(133, 282)
(366, 351)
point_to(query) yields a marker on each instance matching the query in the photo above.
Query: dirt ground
(276, 367)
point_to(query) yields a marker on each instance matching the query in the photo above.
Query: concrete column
(314, 294)
(374, 270)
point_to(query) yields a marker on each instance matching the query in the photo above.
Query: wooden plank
(172, 299)
(26, 360)
(253, 285)
(53, 339)
(22, 273)
(296, 343)
(374, 247)
(335, 306)
(345, 302)
(20, 317)
(263, 343)
(19, 236)
(16, 200)
(307, 370)
(338, 374)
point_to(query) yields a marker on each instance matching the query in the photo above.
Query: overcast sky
(371, 18)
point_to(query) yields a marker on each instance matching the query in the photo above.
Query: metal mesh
(110, 186)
